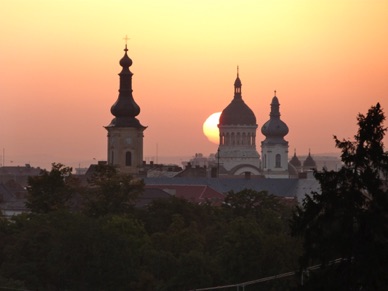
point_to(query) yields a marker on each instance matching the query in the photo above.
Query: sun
(210, 128)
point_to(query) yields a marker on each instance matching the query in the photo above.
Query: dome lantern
(237, 112)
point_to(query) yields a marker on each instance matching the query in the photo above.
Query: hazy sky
(328, 61)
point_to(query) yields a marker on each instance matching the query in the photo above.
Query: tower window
(278, 162)
(227, 139)
(128, 159)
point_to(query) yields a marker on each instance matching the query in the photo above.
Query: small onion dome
(125, 61)
(309, 163)
(274, 127)
(237, 112)
(295, 161)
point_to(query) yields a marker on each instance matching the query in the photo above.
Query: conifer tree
(345, 227)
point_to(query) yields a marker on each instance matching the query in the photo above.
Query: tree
(348, 220)
(51, 191)
(269, 211)
(110, 192)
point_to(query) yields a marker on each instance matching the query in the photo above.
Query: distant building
(309, 163)
(19, 174)
(237, 152)
(195, 193)
(296, 163)
(13, 192)
(281, 187)
(125, 133)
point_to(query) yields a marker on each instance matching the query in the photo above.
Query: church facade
(237, 153)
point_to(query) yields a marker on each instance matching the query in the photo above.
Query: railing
(270, 278)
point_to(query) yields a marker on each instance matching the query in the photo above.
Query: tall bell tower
(125, 133)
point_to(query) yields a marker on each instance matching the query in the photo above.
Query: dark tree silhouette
(110, 192)
(51, 190)
(348, 220)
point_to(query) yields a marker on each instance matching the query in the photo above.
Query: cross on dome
(126, 38)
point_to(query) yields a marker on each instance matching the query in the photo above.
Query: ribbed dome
(274, 128)
(237, 112)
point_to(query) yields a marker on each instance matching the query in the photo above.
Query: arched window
(244, 137)
(128, 159)
(278, 162)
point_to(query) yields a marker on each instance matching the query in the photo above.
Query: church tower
(125, 133)
(237, 152)
(274, 149)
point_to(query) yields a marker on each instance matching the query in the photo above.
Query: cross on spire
(126, 41)
(126, 38)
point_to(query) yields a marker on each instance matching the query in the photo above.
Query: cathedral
(237, 153)
(237, 127)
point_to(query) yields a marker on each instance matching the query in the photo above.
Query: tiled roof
(278, 187)
(190, 192)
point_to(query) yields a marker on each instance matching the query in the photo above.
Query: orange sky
(328, 60)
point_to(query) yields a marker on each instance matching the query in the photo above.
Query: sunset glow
(59, 62)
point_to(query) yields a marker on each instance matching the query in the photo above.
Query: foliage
(349, 218)
(67, 251)
(110, 192)
(171, 244)
(51, 190)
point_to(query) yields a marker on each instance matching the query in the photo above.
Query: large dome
(237, 112)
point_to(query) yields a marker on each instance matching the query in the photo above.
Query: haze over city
(59, 62)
